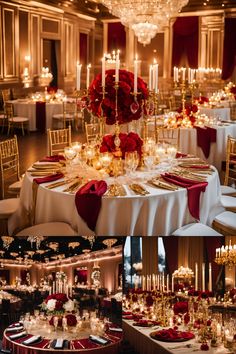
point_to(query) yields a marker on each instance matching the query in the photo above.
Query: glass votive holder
(77, 146)
(105, 159)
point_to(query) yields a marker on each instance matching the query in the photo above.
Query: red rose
(149, 300)
(71, 320)
(125, 99)
(204, 346)
(58, 306)
(180, 307)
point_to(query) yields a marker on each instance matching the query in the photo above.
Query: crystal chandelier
(73, 245)
(35, 239)
(226, 255)
(183, 272)
(145, 17)
(91, 239)
(7, 240)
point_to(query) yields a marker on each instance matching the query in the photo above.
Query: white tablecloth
(143, 344)
(223, 113)
(188, 143)
(159, 213)
(28, 109)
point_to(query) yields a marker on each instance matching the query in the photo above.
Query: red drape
(211, 243)
(229, 55)
(171, 249)
(83, 48)
(185, 40)
(116, 37)
(82, 275)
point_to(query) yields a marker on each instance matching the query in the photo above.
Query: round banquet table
(188, 143)
(159, 213)
(27, 108)
(84, 345)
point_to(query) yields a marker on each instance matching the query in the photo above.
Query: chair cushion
(48, 229)
(16, 186)
(8, 207)
(227, 218)
(228, 202)
(18, 119)
(227, 190)
(195, 229)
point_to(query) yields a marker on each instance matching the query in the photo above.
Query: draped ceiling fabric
(185, 41)
(229, 54)
(116, 38)
(83, 48)
(149, 255)
(171, 249)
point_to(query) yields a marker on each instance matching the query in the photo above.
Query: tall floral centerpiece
(60, 307)
(118, 102)
(129, 106)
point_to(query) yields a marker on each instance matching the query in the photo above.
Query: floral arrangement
(128, 143)
(183, 272)
(71, 320)
(58, 304)
(125, 98)
(180, 307)
(172, 334)
(201, 294)
(190, 110)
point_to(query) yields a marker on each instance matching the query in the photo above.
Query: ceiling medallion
(109, 242)
(144, 17)
(7, 240)
(35, 239)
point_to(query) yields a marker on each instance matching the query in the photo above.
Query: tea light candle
(160, 151)
(77, 146)
(105, 159)
(171, 151)
(90, 153)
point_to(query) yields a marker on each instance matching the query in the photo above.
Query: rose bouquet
(128, 143)
(58, 304)
(128, 109)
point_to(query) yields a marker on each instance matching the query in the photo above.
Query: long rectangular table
(141, 341)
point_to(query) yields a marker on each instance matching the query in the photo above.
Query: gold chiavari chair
(9, 166)
(15, 121)
(6, 95)
(58, 139)
(68, 116)
(168, 136)
(230, 170)
(92, 131)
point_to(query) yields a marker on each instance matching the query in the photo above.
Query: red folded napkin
(54, 158)
(180, 154)
(194, 189)
(88, 201)
(205, 136)
(50, 178)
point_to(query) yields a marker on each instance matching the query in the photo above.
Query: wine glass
(135, 161)
(128, 162)
(55, 322)
(149, 161)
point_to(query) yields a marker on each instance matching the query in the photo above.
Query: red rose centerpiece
(125, 97)
(128, 143)
(59, 305)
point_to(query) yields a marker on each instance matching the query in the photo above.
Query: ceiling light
(109, 242)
